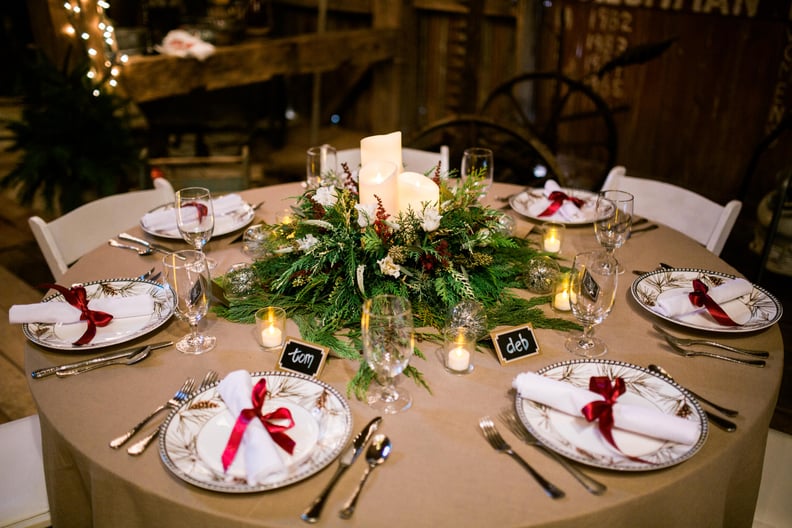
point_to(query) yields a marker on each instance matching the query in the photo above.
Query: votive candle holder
(460, 344)
(552, 237)
(271, 327)
(561, 300)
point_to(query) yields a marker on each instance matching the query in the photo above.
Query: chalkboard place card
(513, 343)
(302, 357)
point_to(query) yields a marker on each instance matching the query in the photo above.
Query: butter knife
(123, 354)
(156, 247)
(312, 513)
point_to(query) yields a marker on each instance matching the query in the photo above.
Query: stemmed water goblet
(478, 161)
(613, 221)
(187, 274)
(592, 291)
(195, 218)
(387, 334)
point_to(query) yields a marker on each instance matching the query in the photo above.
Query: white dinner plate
(224, 223)
(194, 435)
(577, 439)
(120, 330)
(764, 308)
(524, 201)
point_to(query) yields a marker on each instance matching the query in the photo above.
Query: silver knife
(146, 243)
(123, 354)
(312, 513)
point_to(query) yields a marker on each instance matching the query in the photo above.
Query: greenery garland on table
(333, 253)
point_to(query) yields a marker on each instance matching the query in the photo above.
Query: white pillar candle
(458, 359)
(386, 147)
(414, 189)
(271, 337)
(378, 178)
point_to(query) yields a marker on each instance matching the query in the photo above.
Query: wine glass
(195, 218)
(592, 291)
(187, 274)
(478, 161)
(387, 333)
(320, 165)
(614, 221)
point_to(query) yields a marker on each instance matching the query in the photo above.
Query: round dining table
(441, 471)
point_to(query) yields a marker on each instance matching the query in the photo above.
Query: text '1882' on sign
(517, 342)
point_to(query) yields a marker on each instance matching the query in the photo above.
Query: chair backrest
(414, 160)
(22, 485)
(65, 239)
(690, 213)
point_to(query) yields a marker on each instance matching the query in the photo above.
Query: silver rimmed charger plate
(764, 308)
(120, 330)
(579, 440)
(525, 203)
(194, 435)
(224, 223)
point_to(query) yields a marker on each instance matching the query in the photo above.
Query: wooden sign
(517, 342)
(302, 357)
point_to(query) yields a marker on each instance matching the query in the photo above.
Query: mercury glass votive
(271, 327)
(541, 275)
(552, 237)
(460, 344)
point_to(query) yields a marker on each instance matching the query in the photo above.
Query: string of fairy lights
(88, 22)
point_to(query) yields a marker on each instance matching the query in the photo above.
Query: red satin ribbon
(78, 298)
(202, 209)
(700, 298)
(268, 420)
(557, 198)
(602, 410)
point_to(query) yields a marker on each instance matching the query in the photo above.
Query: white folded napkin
(65, 313)
(263, 458)
(568, 210)
(569, 399)
(165, 220)
(180, 43)
(676, 303)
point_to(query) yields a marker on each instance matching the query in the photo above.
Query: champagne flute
(592, 291)
(614, 221)
(195, 218)
(387, 333)
(478, 161)
(187, 274)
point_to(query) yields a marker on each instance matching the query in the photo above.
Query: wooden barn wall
(695, 115)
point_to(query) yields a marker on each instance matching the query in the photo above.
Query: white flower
(326, 196)
(388, 267)
(431, 219)
(366, 214)
(306, 243)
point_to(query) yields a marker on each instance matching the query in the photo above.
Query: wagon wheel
(519, 157)
(568, 116)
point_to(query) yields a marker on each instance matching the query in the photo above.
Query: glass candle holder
(561, 294)
(271, 327)
(460, 344)
(552, 237)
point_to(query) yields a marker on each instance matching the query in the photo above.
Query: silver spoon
(140, 251)
(376, 454)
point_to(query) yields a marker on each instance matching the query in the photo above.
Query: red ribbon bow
(558, 198)
(268, 420)
(201, 208)
(700, 298)
(602, 410)
(78, 298)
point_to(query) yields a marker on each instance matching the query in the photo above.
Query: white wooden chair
(773, 507)
(23, 491)
(413, 160)
(690, 213)
(65, 239)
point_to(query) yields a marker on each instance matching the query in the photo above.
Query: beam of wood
(146, 78)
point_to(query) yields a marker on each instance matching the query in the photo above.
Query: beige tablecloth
(441, 471)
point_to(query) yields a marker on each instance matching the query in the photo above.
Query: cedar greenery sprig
(333, 253)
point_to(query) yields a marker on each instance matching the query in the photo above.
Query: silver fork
(177, 398)
(593, 486)
(499, 444)
(689, 342)
(676, 349)
(141, 445)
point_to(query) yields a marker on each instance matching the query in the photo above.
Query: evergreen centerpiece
(332, 253)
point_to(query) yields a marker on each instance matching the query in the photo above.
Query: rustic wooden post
(388, 76)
